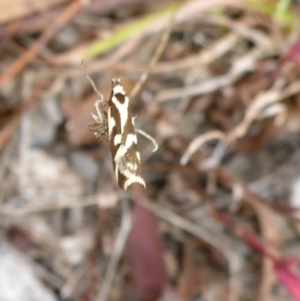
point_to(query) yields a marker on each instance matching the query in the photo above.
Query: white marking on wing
(123, 110)
(131, 166)
(117, 139)
(120, 154)
(134, 179)
(111, 123)
(130, 139)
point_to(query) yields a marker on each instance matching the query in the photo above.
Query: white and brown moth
(118, 127)
(123, 139)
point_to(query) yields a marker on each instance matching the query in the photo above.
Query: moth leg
(100, 128)
(100, 108)
(149, 137)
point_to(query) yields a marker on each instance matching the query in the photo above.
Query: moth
(117, 126)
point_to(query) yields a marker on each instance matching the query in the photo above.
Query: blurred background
(219, 219)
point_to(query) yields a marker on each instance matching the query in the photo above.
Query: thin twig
(117, 252)
(158, 52)
(241, 66)
(263, 106)
(53, 206)
(199, 141)
(30, 54)
(12, 124)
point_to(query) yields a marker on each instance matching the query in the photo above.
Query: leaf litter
(219, 219)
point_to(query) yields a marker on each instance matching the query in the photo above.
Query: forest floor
(217, 85)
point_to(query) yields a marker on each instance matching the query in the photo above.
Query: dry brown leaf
(78, 118)
(144, 255)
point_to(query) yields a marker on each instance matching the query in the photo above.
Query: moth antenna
(91, 81)
(149, 137)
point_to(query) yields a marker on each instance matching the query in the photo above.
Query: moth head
(117, 87)
(116, 82)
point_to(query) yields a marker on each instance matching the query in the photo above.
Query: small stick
(117, 252)
(158, 52)
(29, 55)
